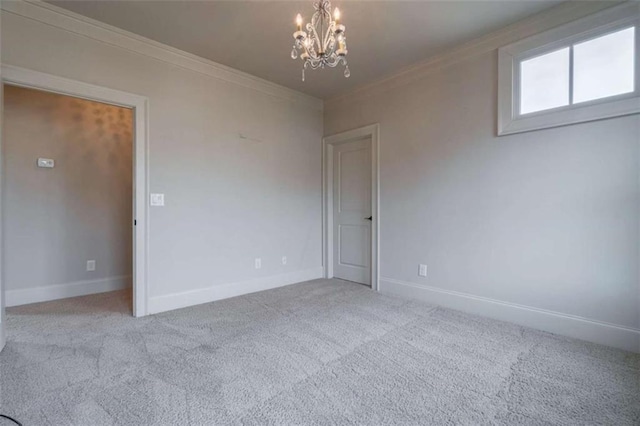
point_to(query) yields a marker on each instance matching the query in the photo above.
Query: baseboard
(618, 336)
(173, 301)
(3, 338)
(3, 324)
(62, 291)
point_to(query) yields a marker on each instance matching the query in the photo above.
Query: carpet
(321, 352)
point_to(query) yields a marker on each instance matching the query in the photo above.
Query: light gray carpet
(321, 352)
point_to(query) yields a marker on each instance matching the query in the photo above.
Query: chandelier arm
(312, 27)
(329, 61)
(307, 43)
(320, 36)
(334, 61)
(316, 40)
(304, 47)
(328, 36)
(312, 51)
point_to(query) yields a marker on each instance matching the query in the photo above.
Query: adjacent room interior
(299, 213)
(68, 214)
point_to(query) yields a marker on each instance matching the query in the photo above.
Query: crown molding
(556, 16)
(78, 24)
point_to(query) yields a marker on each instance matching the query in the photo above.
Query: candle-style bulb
(336, 14)
(299, 21)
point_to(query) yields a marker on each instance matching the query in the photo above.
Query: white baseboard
(3, 337)
(62, 291)
(172, 301)
(554, 322)
(3, 324)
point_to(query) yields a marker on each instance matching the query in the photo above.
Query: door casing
(372, 132)
(22, 77)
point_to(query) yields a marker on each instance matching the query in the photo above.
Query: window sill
(573, 115)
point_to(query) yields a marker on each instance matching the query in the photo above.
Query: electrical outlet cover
(422, 271)
(91, 265)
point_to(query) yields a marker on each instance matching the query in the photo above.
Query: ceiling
(256, 36)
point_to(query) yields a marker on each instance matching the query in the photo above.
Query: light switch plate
(91, 265)
(157, 199)
(46, 163)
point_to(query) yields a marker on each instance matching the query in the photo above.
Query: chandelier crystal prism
(324, 44)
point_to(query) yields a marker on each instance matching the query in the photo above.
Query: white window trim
(509, 57)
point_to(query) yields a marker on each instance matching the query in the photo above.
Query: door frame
(21, 77)
(373, 132)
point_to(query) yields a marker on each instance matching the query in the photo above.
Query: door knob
(369, 218)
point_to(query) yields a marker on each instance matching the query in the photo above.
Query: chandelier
(324, 44)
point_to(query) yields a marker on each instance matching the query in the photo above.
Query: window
(583, 71)
(544, 81)
(603, 66)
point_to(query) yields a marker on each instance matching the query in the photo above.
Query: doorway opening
(73, 191)
(351, 206)
(68, 196)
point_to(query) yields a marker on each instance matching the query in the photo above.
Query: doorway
(350, 198)
(67, 196)
(137, 220)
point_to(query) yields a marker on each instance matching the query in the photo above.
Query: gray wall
(228, 200)
(57, 219)
(547, 219)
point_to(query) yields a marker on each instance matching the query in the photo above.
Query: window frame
(597, 25)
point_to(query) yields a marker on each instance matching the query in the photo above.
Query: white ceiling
(256, 36)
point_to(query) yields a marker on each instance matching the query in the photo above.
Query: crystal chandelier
(324, 43)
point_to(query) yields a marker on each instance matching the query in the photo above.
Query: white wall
(228, 199)
(56, 219)
(2, 302)
(547, 219)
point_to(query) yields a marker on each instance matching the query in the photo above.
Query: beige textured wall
(57, 219)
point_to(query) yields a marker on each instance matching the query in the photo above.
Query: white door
(352, 211)
(3, 323)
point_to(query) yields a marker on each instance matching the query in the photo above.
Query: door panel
(355, 192)
(351, 208)
(353, 238)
